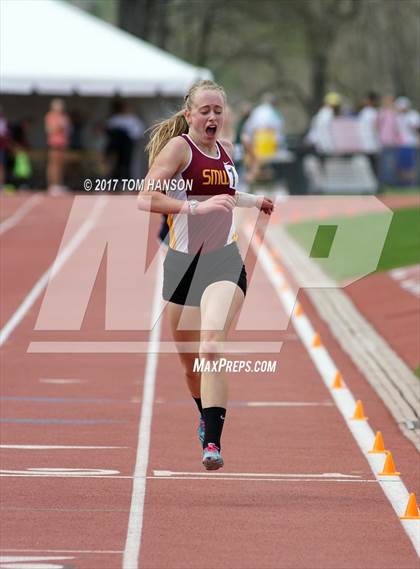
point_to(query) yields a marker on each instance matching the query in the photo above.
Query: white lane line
(60, 472)
(288, 404)
(393, 487)
(61, 381)
(19, 214)
(234, 404)
(135, 522)
(210, 477)
(5, 550)
(169, 473)
(16, 474)
(19, 562)
(16, 558)
(242, 480)
(128, 347)
(61, 509)
(54, 268)
(54, 447)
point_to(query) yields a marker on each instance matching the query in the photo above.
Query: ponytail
(163, 131)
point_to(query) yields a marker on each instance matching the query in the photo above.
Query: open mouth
(211, 130)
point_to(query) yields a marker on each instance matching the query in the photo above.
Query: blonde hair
(57, 105)
(177, 124)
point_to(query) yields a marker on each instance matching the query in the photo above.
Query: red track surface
(11, 204)
(397, 322)
(204, 523)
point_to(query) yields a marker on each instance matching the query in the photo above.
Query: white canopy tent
(49, 47)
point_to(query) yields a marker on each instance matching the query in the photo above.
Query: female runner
(204, 275)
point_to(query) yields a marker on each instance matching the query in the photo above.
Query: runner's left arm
(244, 199)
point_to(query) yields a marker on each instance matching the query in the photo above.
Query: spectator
(387, 123)
(319, 135)
(244, 152)
(408, 121)
(389, 139)
(265, 128)
(368, 127)
(57, 126)
(21, 163)
(123, 129)
(77, 122)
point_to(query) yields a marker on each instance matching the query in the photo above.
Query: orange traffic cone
(389, 466)
(378, 445)
(298, 310)
(412, 510)
(359, 414)
(338, 382)
(316, 342)
(275, 255)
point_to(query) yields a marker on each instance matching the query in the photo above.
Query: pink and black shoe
(212, 459)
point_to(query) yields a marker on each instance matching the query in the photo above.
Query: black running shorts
(187, 275)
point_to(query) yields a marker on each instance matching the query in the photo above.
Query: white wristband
(246, 200)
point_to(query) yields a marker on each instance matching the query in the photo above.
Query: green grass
(362, 244)
(402, 246)
(417, 371)
(393, 191)
(323, 241)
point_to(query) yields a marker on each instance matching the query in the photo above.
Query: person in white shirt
(408, 121)
(265, 128)
(368, 128)
(408, 124)
(319, 135)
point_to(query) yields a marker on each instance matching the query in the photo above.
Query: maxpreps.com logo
(227, 177)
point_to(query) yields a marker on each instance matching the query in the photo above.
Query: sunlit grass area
(350, 246)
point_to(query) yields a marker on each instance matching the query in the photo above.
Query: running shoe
(212, 459)
(200, 431)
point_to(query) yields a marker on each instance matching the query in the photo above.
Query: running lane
(319, 506)
(28, 248)
(295, 492)
(12, 204)
(69, 424)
